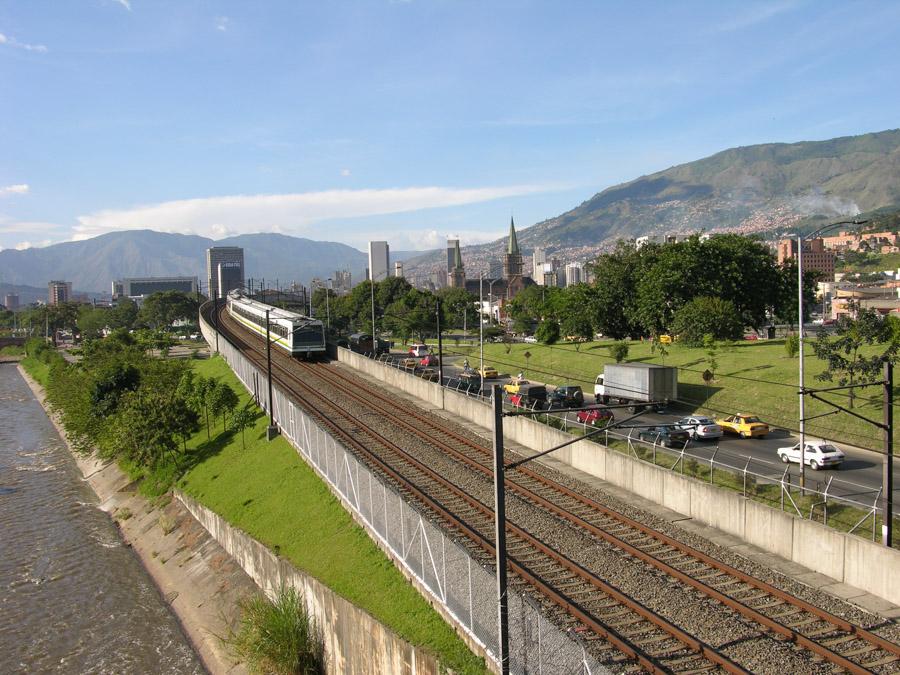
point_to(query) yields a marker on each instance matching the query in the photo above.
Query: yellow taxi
(512, 387)
(745, 426)
(489, 373)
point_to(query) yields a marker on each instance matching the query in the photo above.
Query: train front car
(308, 338)
(289, 331)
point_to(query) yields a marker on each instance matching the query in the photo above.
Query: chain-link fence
(463, 587)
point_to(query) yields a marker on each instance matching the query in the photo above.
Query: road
(859, 477)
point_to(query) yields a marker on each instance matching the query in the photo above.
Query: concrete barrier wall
(354, 641)
(844, 557)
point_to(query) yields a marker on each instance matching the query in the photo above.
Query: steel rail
(876, 641)
(621, 643)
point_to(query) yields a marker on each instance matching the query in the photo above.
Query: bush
(547, 332)
(279, 637)
(792, 345)
(702, 316)
(619, 350)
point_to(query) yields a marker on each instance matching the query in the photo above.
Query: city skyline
(367, 122)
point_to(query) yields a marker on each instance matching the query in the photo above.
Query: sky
(405, 120)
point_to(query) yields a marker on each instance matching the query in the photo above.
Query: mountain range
(768, 189)
(92, 264)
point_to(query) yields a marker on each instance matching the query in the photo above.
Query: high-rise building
(12, 301)
(342, 282)
(538, 258)
(452, 245)
(224, 270)
(573, 274)
(143, 286)
(398, 269)
(59, 292)
(815, 256)
(379, 260)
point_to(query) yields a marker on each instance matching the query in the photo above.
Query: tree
(712, 365)
(92, 321)
(619, 350)
(660, 348)
(124, 315)
(242, 419)
(707, 316)
(792, 345)
(613, 311)
(222, 400)
(547, 332)
(161, 309)
(842, 354)
(459, 308)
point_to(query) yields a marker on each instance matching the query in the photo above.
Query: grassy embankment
(752, 376)
(268, 491)
(12, 350)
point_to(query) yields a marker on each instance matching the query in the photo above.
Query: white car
(699, 426)
(819, 455)
(530, 339)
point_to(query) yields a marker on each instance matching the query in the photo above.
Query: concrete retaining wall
(844, 557)
(354, 641)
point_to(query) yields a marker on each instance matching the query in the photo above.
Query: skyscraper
(452, 245)
(224, 270)
(379, 260)
(12, 301)
(59, 292)
(398, 269)
(538, 258)
(573, 274)
(456, 276)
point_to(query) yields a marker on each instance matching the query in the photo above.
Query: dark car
(530, 396)
(569, 396)
(670, 437)
(469, 382)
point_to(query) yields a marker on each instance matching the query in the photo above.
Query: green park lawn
(268, 491)
(752, 377)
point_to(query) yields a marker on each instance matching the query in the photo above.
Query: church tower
(512, 261)
(456, 277)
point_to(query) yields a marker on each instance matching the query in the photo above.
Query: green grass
(752, 377)
(269, 492)
(39, 370)
(874, 263)
(12, 350)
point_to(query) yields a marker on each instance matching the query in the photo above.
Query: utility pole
(216, 319)
(481, 329)
(887, 487)
(272, 431)
(440, 344)
(500, 531)
(802, 381)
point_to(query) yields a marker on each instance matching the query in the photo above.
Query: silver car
(699, 426)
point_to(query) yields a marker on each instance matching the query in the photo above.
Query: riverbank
(195, 576)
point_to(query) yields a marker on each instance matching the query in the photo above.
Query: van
(530, 394)
(418, 350)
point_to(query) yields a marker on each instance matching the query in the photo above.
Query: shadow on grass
(214, 446)
(763, 366)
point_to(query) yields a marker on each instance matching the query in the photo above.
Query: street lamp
(800, 240)
(327, 310)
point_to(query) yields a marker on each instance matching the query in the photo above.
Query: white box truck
(636, 384)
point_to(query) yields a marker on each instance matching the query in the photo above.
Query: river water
(73, 598)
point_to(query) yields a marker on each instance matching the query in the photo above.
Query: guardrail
(837, 502)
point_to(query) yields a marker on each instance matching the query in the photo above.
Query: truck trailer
(637, 384)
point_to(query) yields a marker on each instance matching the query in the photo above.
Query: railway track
(644, 637)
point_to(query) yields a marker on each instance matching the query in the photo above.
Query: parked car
(428, 360)
(429, 374)
(745, 426)
(530, 339)
(470, 382)
(670, 437)
(597, 417)
(410, 362)
(512, 387)
(699, 426)
(489, 372)
(819, 455)
(567, 396)
(418, 350)
(530, 396)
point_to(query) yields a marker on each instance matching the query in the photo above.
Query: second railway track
(644, 638)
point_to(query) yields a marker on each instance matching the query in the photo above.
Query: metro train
(291, 332)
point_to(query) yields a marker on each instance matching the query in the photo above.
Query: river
(73, 598)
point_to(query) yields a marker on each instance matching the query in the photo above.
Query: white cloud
(20, 189)
(421, 240)
(22, 245)
(221, 23)
(12, 42)
(125, 3)
(753, 15)
(288, 213)
(28, 227)
(346, 172)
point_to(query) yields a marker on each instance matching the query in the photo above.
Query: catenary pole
(887, 488)
(802, 382)
(500, 531)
